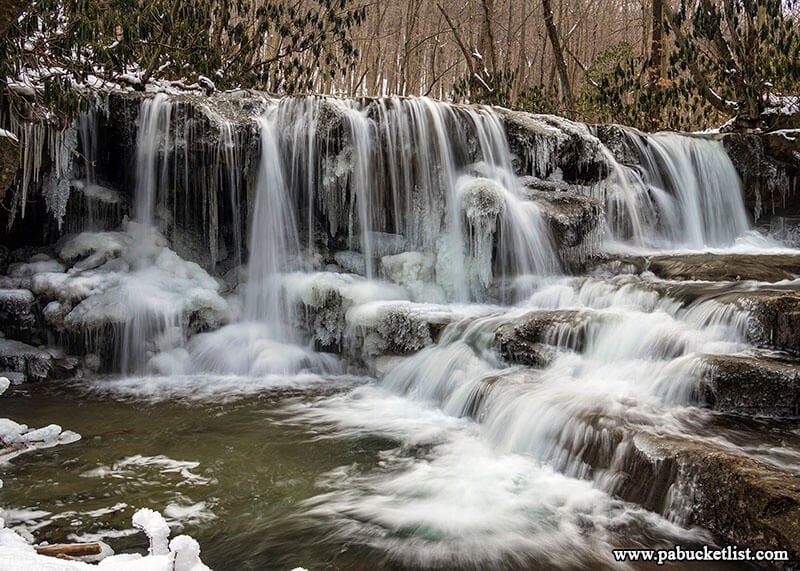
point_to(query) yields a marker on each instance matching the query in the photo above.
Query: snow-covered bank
(182, 553)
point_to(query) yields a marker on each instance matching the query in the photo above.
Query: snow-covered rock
(130, 281)
(182, 553)
(16, 439)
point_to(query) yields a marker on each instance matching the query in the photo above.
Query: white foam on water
(444, 496)
(217, 388)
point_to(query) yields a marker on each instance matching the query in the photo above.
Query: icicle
(63, 146)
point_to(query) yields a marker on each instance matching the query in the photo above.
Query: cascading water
(685, 193)
(399, 176)
(499, 435)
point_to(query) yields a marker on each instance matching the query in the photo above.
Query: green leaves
(277, 46)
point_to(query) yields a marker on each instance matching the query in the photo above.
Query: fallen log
(70, 550)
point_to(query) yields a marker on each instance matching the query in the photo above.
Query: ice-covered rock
(385, 244)
(17, 313)
(155, 528)
(352, 262)
(19, 357)
(397, 327)
(132, 283)
(21, 269)
(97, 192)
(327, 297)
(16, 439)
(415, 272)
(15, 304)
(482, 198)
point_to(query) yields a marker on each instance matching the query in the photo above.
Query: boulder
(576, 223)
(769, 169)
(754, 386)
(549, 146)
(726, 267)
(740, 499)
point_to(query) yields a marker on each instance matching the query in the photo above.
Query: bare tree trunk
(558, 56)
(487, 37)
(656, 57)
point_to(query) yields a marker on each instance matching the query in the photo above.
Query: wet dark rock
(783, 145)
(754, 386)
(519, 351)
(543, 185)
(615, 138)
(741, 500)
(769, 169)
(569, 147)
(723, 267)
(774, 318)
(532, 339)
(17, 313)
(576, 224)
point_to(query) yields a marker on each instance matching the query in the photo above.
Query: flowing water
(273, 454)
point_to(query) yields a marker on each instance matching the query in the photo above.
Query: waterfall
(362, 179)
(152, 146)
(393, 253)
(684, 193)
(391, 176)
(274, 242)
